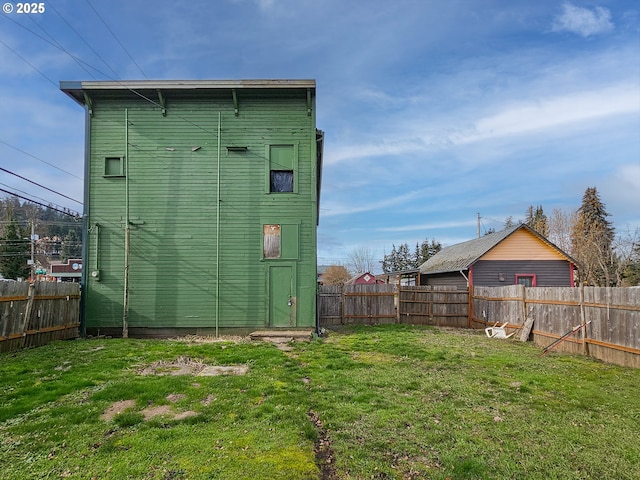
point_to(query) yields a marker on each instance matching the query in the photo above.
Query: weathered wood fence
(36, 314)
(385, 303)
(441, 306)
(611, 316)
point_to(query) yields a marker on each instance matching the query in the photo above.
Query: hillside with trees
(57, 236)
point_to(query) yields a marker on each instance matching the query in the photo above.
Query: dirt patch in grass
(117, 408)
(157, 411)
(325, 456)
(188, 366)
(197, 339)
(215, 370)
(175, 397)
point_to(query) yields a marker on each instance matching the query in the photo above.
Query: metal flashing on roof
(76, 89)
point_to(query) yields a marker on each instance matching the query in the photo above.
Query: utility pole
(478, 224)
(33, 251)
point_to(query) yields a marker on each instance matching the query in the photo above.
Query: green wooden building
(200, 206)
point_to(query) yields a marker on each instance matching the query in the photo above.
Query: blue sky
(433, 111)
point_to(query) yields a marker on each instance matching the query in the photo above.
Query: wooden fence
(35, 314)
(384, 303)
(610, 318)
(357, 304)
(426, 305)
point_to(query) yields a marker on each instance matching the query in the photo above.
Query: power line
(41, 186)
(31, 17)
(39, 159)
(85, 42)
(35, 196)
(108, 76)
(69, 213)
(27, 62)
(117, 40)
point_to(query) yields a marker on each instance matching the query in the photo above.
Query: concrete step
(282, 336)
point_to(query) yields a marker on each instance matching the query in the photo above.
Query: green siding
(173, 210)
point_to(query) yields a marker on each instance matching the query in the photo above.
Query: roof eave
(76, 89)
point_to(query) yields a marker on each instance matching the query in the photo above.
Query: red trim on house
(572, 269)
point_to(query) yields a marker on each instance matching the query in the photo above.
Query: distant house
(201, 205)
(320, 273)
(366, 278)
(71, 271)
(516, 255)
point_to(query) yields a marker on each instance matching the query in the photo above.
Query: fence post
(585, 347)
(524, 304)
(27, 312)
(470, 306)
(341, 304)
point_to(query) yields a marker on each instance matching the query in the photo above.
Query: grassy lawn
(369, 402)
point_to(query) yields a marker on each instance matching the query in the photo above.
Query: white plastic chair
(498, 332)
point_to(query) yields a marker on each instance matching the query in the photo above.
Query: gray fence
(36, 314)
(609, 318)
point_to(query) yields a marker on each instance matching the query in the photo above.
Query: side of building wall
(500, 273)
(195, 252)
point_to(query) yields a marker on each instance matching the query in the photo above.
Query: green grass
(394, 402)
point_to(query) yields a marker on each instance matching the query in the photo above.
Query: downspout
(85, 222)
(465, 277)
(218, 227)
(127, 228)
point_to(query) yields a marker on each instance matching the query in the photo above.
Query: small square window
(113, 167)
(281, 181)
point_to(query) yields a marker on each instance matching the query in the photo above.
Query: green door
(282, 305)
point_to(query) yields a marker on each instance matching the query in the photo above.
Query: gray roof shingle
(462, 255)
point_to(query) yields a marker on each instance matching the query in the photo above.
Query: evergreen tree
(14, 251)
(592, 241)
(401, 258)
(71, 246)
(537, 220)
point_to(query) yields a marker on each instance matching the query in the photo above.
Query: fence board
(33, 315)
(368, 304)
(612, 336)
(429, 305)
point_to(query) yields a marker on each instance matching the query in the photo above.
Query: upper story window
(281, 181)
(283, 166)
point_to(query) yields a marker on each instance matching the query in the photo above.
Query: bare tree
(560, 225)
(361, 260)
(627, 251)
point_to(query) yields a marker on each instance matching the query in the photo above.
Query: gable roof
(462, 255)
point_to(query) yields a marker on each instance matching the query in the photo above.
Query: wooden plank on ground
(526, 329)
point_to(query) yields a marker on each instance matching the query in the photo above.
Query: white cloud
(331, 209)
(583, 21)
(556, 111)
(428, 226)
